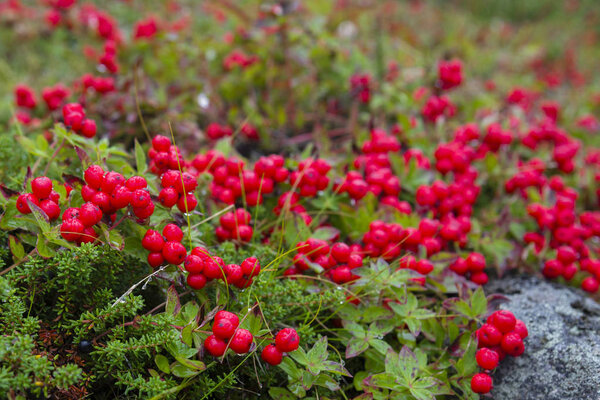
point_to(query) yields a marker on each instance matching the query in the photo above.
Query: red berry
(90, 214)
(489, 335)
(71, 229)
(233, 273)
(88, 128)
(213, 270)
(23, 205)
(504, 320)
(144, 212)
(590, 284)
(111, 181)
(41, 187)
(170, 179)
(51, 209)
(174, 253)
(424, 267)
(215, 346)
(187, 203)
(475, 262)
(88, 235)
(480, 278)
(71, 213)
(512, 344)
(102, 200)
(161, 143)
(94, 176)
(140, 198)
(251, 266)
(271, 355)
(287, 340)
(136, 182)
(235, 320)
(172, 233)
(155, 259)
(223, 328)
(88, 193)
(481, 383)
(241, 341)
(168, 197)
(341, 252)
(193, 264)
(244, 233)
(121, 197)
(521, 329)
(487, 359)
(341, 274)
(196, 281)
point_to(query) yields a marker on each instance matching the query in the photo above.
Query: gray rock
(562, 353)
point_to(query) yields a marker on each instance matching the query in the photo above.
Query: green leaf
(355, 347)
(186, 335)
(16, 248)
(42, 247)
(173, 305)
(140, 158)
(182, 371)
(479, 302)
(278, 393)
(162, 363)
(328, 382)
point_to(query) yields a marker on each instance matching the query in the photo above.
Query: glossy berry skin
(174, 252)
(41, 187)
(94, 176)
(590, 284)
(233, 273)
(23, 205)
(481, 383)
(287, 340)
(136, 183)
(71, 213)
(251, 266)
(153, 241)
(241, 341)
(51, 209)
(168, 197)
(155, 259)
(90, 214)
(489, 335)
(71, 229)
(271, 355)
(235, 320)
(196, 281)
(172, 233)
(424, 267)
(487, 359)
(193, 264)
(223, 328)
(521, 329)
(475, 262)
(187, 203)
(341, 252)
(512, 344)
(161, 143)
(503, 320)
(140, 198)
(215, 346)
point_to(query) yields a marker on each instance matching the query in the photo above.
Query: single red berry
(187, 203)
(41, 187)
(341, 252)
(512, 344)
(251, 266)
(341, 274)
(55, 197)
(241, 341)
(521, 329)
(213, 270)
(287, 340)
(121, 197)
(590, 284)
(90, 214)
(487, 359)
(480, 278)
(215, 346)
(233, 273)
(51, 209)
(504, 320)
(170, 179)
(88, 193)
(223, 328)
(174, 253)
(244, 233)
(161, 143)
(481, 383)
(144, 212)
(71, 229)
(23, 205)
(228, 221)
(271, 355)
(475, 262)
(489, 335)
(193, 264)
(153, 241)
(88, 235)
(71, 213)
(168, 197)
(155, 259)
(102, 200)
(140, 198)
(172, 233)
(94, 176)
(235, 320)
(196, 281)
(424, 267)
(112, 179)
(88, 128)
(136, 182)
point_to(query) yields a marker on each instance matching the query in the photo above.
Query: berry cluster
(471, 267)
(311, 176)
(235, 225)
(166, 247)
(449, 74)
(178, 189)
(74, 117)
(360, 85)
(437, 107)
(111, 192)
(78, 223)
(202, 268)
(226, 334)
(163, 156)
(291, 201)
(237, 58)
(501, 335)
(43, 196)
(54, 96)
(286, 341)
(216, 131)
(338, 260)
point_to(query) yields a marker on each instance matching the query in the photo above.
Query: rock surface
(562, 353)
